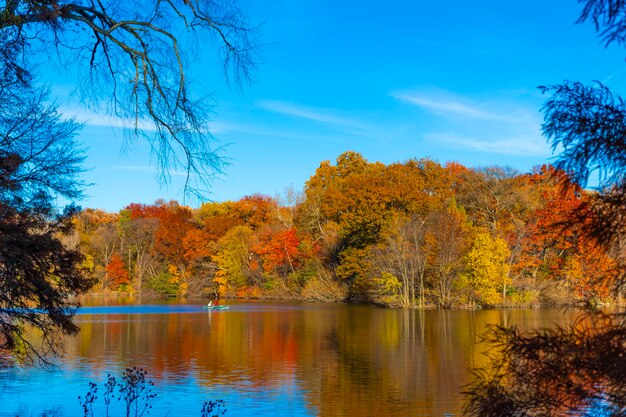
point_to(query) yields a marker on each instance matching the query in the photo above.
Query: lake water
(271, 359)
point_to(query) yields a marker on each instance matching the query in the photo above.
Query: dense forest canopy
(417, 233)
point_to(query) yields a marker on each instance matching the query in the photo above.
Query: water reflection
(277, 358)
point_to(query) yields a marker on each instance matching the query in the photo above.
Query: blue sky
(392, 80)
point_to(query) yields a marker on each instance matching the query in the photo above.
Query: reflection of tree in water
(581, 369)
(374, 362)
(343, 359)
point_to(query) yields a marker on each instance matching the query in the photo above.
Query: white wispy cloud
(102, 119)
(327, 116)
(523, 145)
(446, 105)
(504, 123)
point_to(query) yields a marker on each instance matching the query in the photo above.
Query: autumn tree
(492, 197)
(349, 205)
(217, 219)
(198, 250)
(117, 272)
(140, 233)
(590, 273)
(401, 259)
(103, 243)
(447, 240)
(175, 221)
(97, 240)
(278, 251)
(254, 210)
(233, 260)
(164, 236)
(393, 234)
(287, 206)
(287, 256)
(499, 200)
(558, 253)
(486, 269)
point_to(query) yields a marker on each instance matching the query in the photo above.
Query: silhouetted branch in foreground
(575, 370)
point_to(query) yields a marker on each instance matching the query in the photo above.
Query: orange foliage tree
(278, 251)
(557, 248)
(117, 272)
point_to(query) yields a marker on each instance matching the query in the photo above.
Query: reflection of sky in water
(600, 408)
(182, 308)
(33, 392)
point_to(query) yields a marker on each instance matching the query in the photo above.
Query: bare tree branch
(134, 56)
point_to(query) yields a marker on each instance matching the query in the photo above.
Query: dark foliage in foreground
(134, 392)
(39, 161)
(589, 124)
(576, 370)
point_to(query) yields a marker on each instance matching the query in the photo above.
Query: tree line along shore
(416, 233)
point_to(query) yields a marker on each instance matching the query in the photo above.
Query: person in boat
(210, 304)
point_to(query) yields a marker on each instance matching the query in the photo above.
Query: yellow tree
(233, 259)
(486, 269)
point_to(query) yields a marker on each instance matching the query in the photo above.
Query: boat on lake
(216, 307)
